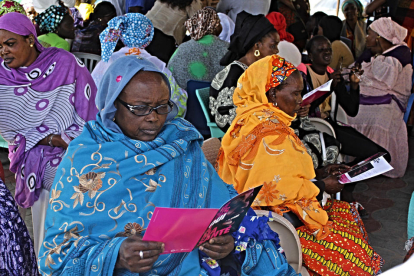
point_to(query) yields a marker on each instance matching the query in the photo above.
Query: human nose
(152, 117)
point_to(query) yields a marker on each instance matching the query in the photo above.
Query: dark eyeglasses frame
(132, 107)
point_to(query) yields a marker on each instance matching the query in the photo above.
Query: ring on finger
(141, 254)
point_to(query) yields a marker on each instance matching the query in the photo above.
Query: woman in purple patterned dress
(47, 95)
(17, 257)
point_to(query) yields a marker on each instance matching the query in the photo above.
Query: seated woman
(227, 27)
(56, 104)
(254, 38)
(87, 39)
(136, 32)
(267, 97)
(385, 89)
(352, 142)
(56, 25)
(123, 165)
(354, 26)
(17, 256)
(287, 49)
(330, 27)
(199, 58)
(169, 16)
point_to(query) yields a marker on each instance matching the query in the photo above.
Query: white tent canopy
(329, 6)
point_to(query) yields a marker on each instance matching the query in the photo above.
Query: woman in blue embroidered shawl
(135, 157)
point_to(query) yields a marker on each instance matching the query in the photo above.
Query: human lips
(8, 60)
(150, 131)
(327, 58)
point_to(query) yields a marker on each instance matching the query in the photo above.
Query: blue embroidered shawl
(108, 183)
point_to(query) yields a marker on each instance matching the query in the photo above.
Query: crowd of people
(102, 149)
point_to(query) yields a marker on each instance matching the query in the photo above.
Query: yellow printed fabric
(261, 148)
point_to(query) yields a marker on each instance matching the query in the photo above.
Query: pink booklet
(316, 93)
(181, 229)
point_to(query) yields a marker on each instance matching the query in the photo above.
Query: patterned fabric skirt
(345, 251)
(17, 255)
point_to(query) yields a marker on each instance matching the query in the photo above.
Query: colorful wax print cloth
(17, 257)
(346, 251)
(50, 19)
(11, 6)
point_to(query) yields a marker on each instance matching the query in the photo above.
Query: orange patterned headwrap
(281, 70)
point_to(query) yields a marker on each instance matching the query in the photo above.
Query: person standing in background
(234, 7)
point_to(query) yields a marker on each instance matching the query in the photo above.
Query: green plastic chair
(203, 97)
(3, 143)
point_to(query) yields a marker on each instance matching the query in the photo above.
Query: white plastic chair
(90, 60)
(341, 115)
(324, 126)
(39, 209)
(289, 240)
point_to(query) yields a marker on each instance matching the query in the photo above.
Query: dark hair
(332, 27)
(268, 34)
(181, 4)
(317, 16)
(102, 9)
(313, 40)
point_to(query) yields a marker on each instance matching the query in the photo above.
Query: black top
(348, 99)
(162, 46)
(222, 109)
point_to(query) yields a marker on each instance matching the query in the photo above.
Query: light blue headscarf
(113, 82)
(134, 30)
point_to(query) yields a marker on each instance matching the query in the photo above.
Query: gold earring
(31, 45)
(256, 53)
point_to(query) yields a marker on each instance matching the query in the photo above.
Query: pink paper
(178, 228)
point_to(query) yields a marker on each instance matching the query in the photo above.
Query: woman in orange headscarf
(268, 95)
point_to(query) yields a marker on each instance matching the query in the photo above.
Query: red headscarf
(279, 22)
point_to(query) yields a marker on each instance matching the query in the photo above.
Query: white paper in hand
(316, 93)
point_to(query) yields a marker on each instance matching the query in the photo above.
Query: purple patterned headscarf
(24, 26)
(53, 95)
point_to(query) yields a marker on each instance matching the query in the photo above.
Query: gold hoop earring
(256, 53)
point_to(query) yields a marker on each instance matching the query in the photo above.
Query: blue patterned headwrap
(134, 30)
(50, 19)
(114, 81)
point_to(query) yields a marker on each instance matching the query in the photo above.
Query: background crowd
(97, 146)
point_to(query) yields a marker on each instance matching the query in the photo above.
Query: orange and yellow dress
(260, 148)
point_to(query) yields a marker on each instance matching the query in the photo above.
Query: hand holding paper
(316, 93)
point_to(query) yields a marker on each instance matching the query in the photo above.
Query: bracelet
(50, 140)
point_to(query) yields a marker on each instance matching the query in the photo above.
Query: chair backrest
(408, 109)
(203, 96)
(211, 149)
(323, 126)
(3, 143)
(341, 114)
(289, 239)
(195, 114)
(90, 60)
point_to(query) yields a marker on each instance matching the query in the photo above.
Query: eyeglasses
(143, 110)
